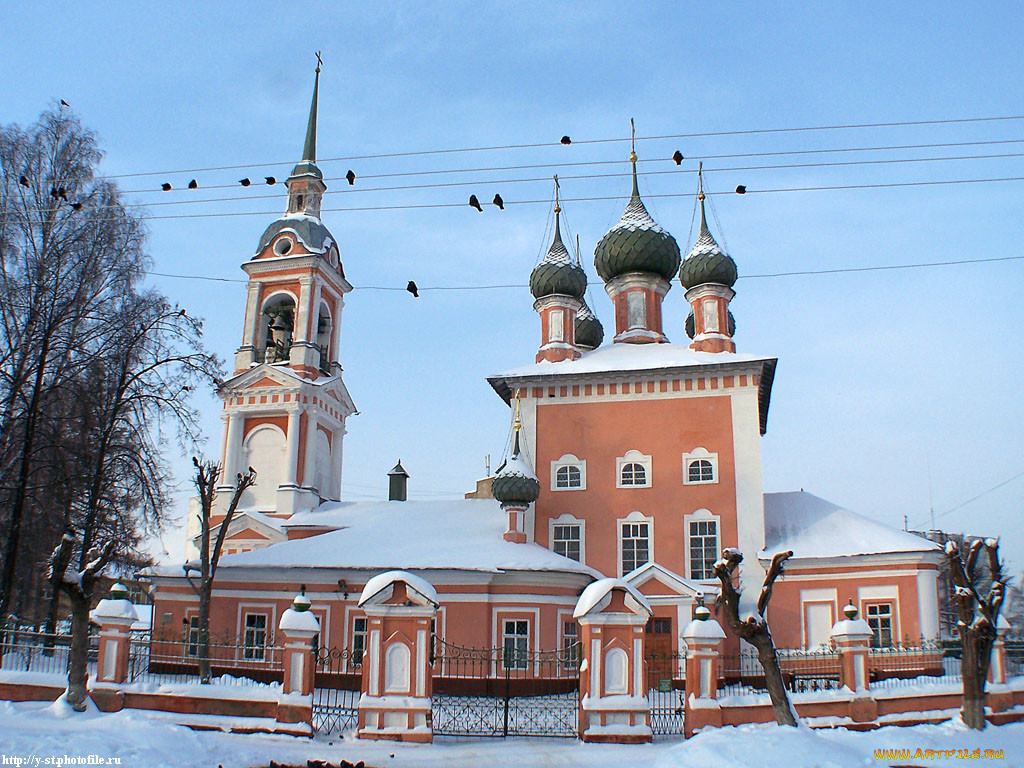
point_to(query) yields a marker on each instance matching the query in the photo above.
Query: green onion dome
(690, 330)
(707, 262)
(515, 483)
(636, 244)
(558, 272)
(589, 331)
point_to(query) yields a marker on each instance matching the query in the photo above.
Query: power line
(597, 198)
(995, 487)
(796, 273)
(539, 145)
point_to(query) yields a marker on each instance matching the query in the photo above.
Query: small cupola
(558, 283)
(637, 259)
(589, 331)
(398, 483)
(708, 274)
(515, 485)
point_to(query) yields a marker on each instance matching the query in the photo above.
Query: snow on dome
(709, 629)
(382, 581)
(595, 593)
(517, 466)
(515, 481)
(558, 272)
(813, 527)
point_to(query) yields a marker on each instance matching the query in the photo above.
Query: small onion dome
(515, 483)
(636, 244)
(690, 330)
(707, 262)
(589, 331)
(557, 272)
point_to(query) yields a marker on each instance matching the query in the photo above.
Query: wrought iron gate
(666, 692)
(505, 691)
(336, 689)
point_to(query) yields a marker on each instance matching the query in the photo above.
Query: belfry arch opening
(275, 329)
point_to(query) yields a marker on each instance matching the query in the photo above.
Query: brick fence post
(614, 707)
(396, 688)
(851, 637)
(298, 630)
(115, 615)
(1000, 697)
(703, 637)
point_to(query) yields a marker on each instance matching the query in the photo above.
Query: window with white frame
(634, 470)
(700, 467)
(879, 618)
(703, 542)
(515, 643)
(255, 636)
(568, 474)
(565, 540)
(634, 544)
(570, 645)
(358, 640)
(192, 641)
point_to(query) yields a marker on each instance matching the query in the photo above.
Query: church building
(636, 458)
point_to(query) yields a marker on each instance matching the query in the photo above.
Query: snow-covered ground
(146, 740)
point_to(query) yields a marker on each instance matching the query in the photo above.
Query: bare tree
(754, 629)
(979, 614)
(207, 473)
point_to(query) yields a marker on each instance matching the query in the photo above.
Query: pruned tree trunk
(755, 629)
(978, 620)
(78, 661)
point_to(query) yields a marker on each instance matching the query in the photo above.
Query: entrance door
(660, 650)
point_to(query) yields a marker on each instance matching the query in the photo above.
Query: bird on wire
(413, 289)
(741, 189)
(193, 184)
(166, 187)
(475, 203)
(270, 180)
(23, 181)
(499, 202)
(678, 157)
(244, 182)
(566, 140)
(351, 177)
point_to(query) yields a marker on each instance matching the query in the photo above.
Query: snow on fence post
(703, 637)
(614, 707)
(298, 630)
(115, 616)
(397, 684)
(851, 637)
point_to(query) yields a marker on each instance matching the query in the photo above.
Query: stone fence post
(115, 616)
(397, 684)
(703, 637)
(298, 630)
(851, 637)
(999, 697)
(614, 707)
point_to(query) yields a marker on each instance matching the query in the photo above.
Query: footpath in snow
(143, 739)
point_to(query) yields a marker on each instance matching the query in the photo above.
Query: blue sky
(883, 377)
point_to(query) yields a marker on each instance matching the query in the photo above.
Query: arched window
(633, 474)
(700, 466)
(568, 477)
(701, 471)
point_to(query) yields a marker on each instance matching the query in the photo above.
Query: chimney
(398, 483)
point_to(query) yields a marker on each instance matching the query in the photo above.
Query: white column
(337, 443)
(293, 447)
(309, 466)
(252, 314)
(233, 447)
(749, 487)
(300, 330)
(928, 603)
(336, 328)
(314, 313)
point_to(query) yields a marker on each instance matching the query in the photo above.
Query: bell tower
(286, 405)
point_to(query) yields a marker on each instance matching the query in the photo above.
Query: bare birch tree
(206, 478)
(754, 629)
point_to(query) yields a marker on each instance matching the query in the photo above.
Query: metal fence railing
(25, 649)
(170, 659)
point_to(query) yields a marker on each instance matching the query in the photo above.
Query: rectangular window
(636, 306)
(570, 645)
(358, 640)
(879, 618)
(635, 546)
(515, 643)
(255, 638)
(703, 548)
(192, 644)
(659, 627)
(566, 541)
(556, 325)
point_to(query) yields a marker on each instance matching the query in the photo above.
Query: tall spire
(632, 157)
(309, 150)
(700, 196)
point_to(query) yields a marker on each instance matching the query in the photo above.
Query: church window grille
(879, 617)
(634, 474)
(635, 546)
(703, 541)
(701, 471)
(255, 637)
(516, 639)
(570, 645)
(358, 640)
(568, 476)
(567, 541)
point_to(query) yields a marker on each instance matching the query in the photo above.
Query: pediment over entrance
(653, 580)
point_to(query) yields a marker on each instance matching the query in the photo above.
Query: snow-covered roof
(813, 527)
(595, 594)
(635, 358)
(382, 581)
(459, 534)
